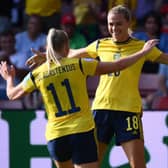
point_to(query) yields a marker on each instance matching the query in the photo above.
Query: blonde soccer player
(62, 82)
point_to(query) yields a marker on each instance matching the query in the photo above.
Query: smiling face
(118, 25)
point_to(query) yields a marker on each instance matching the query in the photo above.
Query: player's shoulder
(131, 40)
(106, 39)
(43, 67)
(136, 40)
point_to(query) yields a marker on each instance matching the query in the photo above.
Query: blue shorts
(124, 126)
(81, 148)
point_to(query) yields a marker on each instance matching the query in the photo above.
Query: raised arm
(78, 53)
(37, 59)
(40, 57)
(109, 67)
(8, 73)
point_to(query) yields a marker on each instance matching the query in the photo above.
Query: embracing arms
(38, 58)
(120, 64)
(15, 92)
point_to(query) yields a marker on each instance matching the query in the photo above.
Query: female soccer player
(62, 83)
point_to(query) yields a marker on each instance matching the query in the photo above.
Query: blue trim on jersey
(33, 79)
(80, 65)
(27, 78)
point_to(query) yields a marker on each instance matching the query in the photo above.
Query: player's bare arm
(8, 73)
(107, 67)
(40, 57)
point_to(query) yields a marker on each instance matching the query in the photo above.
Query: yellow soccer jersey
(43, 7)
(119, 90)
(64, 93)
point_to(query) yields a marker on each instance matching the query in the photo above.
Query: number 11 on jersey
(65, 83)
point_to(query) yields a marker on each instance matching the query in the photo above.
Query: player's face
(118, 26)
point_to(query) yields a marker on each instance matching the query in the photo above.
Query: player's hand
(36, 60)
(7, 71)
(150, 44)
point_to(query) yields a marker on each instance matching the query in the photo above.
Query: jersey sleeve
(92, 49)
(89, 66)
(153, 54)
(28, 83)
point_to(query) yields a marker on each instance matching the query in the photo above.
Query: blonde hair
(120, 9)
(56, 40)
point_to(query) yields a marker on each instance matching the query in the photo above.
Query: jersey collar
(122, 42)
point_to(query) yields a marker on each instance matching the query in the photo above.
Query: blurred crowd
(25, 23)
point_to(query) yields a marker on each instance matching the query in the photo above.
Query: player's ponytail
(56, 39)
